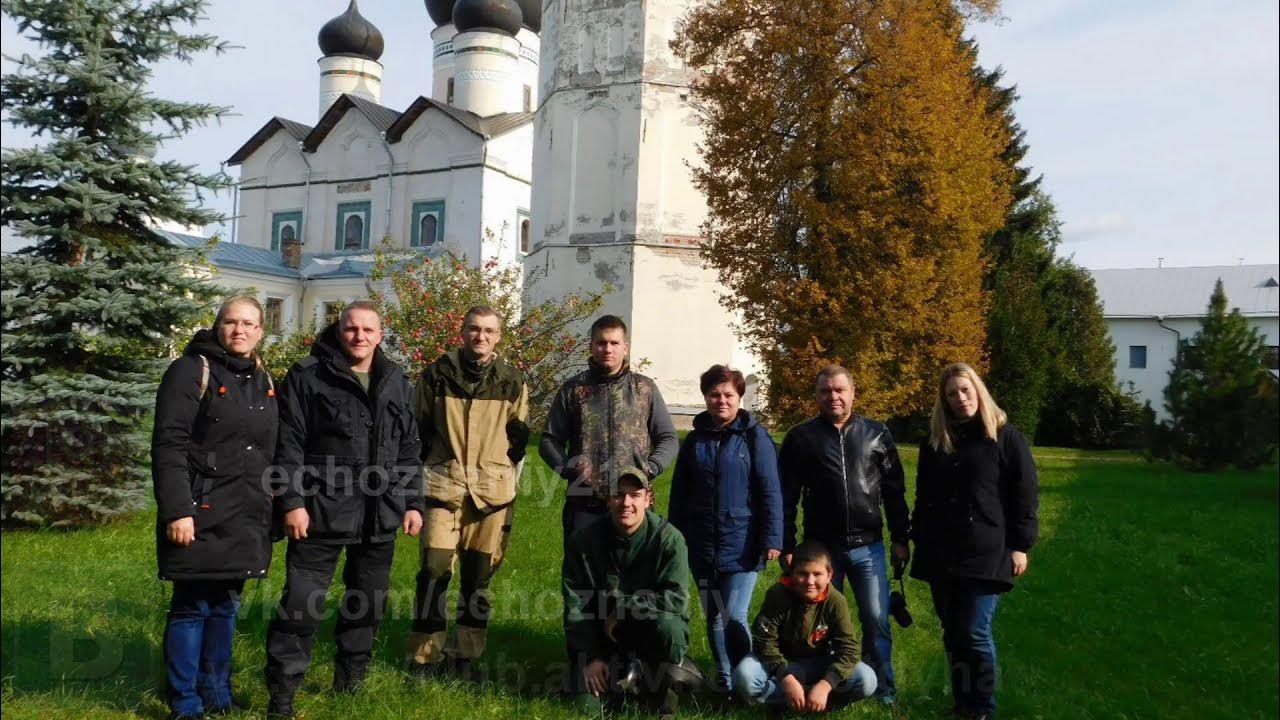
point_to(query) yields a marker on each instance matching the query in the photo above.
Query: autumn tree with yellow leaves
(851, 170)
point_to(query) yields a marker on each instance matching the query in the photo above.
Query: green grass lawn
(1152, 594)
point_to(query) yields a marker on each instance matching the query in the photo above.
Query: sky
(1154, 123)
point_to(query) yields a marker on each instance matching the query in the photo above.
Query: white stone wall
(613, 200)
(350, 75)
(1161, 345)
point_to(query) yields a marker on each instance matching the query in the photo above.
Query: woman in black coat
(973, 524)
(214, 437)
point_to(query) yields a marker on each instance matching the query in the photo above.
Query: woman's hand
(1019, 560)
(771, 554)
(182, 531)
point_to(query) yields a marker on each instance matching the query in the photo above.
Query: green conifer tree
(91, 306)
(1221, 398)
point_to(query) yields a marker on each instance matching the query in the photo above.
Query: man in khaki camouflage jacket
(471, 408)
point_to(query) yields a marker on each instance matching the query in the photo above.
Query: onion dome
(441, 11)
(502, 16)
(532, 10)
(351, 34)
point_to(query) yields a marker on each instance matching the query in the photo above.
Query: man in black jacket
(349, 475)
(845, 467)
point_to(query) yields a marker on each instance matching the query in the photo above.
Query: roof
(296, 130)
(385, 119)
(233, 256)
(1185, 291)
(485, 127)
(380, 116)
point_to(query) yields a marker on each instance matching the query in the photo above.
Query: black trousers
(309, 572)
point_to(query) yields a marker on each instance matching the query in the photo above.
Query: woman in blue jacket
(726, 500)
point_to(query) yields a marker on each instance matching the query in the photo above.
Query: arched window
(287, 233)
(524, 235)
(427, 233)
(353, 233)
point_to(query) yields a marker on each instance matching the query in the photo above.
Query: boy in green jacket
(806, 655)
(626, 600)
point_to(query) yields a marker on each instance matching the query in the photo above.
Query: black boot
(280, 707)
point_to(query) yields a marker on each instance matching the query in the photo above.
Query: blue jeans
(726, 598)
(865, 568)
(197, 644)
(967, 609)
(754, 684)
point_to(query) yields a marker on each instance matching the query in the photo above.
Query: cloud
(1093, 228)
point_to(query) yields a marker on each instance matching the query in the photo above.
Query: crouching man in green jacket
(626, 602)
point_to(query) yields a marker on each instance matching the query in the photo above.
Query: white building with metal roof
(1148, 310)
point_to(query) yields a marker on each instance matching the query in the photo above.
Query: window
(332, 310)
(528, 99)
(274, 312)
(428, 223)
(1137, 356)
(285, 225)
(353, 226)
(1272, 357)
(448, 94)
(522, 230)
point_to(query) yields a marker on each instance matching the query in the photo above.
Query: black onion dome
(501, 15)
(441, 11)
(532, 11)
(351, 34)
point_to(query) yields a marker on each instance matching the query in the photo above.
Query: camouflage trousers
(474, 542)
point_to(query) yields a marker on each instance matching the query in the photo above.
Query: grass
(1152, 594)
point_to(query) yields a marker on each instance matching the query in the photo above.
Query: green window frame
(281, 220)
(420, 209)
(345, 211)
(524, 233)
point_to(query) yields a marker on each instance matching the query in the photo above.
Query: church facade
(563, 146)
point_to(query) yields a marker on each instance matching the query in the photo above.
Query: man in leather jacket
(349, 477)
(845, 467)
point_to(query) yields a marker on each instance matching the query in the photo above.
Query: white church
(559, 140)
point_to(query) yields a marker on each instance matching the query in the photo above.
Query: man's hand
(771, 554)
(900, 554)
(580, 468)
(296, 522)
(1019, 560)
(596, 673)
(794, 692)
(818, 696)
(412, 523)
(182, 531)
(784, 561)
(610, 627)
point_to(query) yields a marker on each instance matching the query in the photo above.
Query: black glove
(517, 439)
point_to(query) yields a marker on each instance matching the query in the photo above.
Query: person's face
(360, 332)
(810, 579)
(962, 397)
(835, 398)
(723, 402)
(481, 333)
(609, 349)
(240, 329)
(627, 506)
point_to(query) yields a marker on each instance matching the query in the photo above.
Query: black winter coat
(974, 506)
(209, 457)
(350, 457)
(844, 476)
(725, 496)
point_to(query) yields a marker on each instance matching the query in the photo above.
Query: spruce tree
(92, 306)
(1221, 398)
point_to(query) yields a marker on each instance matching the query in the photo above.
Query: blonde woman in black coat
(973, 525)
(215, 435)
